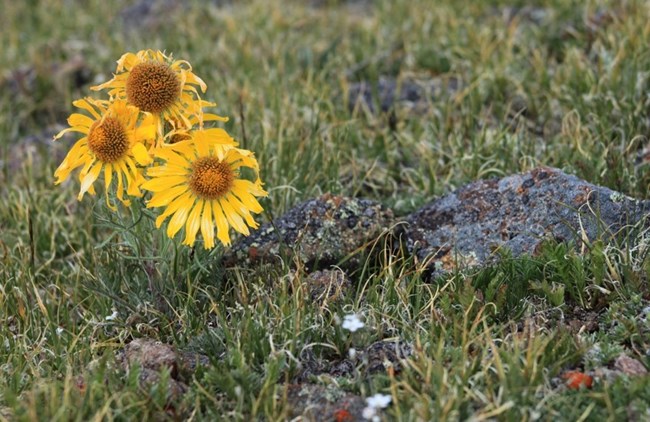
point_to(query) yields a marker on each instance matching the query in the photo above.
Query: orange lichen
(576, 379)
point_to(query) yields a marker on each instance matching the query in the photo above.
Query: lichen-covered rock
(319, 232)
(389, 93)
(517, 213)
(323, 403)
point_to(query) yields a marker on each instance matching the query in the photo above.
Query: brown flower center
(211, 178)
(107, 140)
(152, 87)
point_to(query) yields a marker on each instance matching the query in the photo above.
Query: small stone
(629, 366)
(151, 354)
(323, 403)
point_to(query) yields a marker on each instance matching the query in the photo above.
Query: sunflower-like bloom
(157, 84)
(113, 141)
(200, 187)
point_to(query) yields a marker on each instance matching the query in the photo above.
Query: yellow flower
(157, 84)
(177, 130)
(200, 187)
(113, 142)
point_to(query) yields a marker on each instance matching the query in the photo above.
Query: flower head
(352, 323)
(200, 187)
(113, 141)
(156, 84)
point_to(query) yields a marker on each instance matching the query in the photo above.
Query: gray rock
(323, 403)
(517, 213)
(319, 232)
(388, 93)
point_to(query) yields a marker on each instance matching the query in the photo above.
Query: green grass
(488, 343)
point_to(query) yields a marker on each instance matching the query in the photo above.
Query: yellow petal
(173, 207)
(163, 198)
(237, 205)
(84, 104)
(80, 129)
(127, 61)
(207, 226)
(146, 131)
(233, 217)
(141, 154)
(89, 179)
(133, 178)
(193, 223)
(193, 79)
(120, 189)
(77, 119)
(208, 117)
(160, 184)
(179, 218)
(168, 155)
(245, 190)
(222, 223)
(108, 176)
(167, 170)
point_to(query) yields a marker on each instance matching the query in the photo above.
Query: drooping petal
(193, 223)
(89, 179)
(173, 206)
(207, 226)
(179, 218)
(222, 223)
(233, 217)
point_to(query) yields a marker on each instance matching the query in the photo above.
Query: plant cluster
(150, 136)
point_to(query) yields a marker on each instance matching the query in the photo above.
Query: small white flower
(379, 401)
(352, 353)
(352, 323)
(59, 331)
(375, 403)
(369, 413)
(112, 316)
